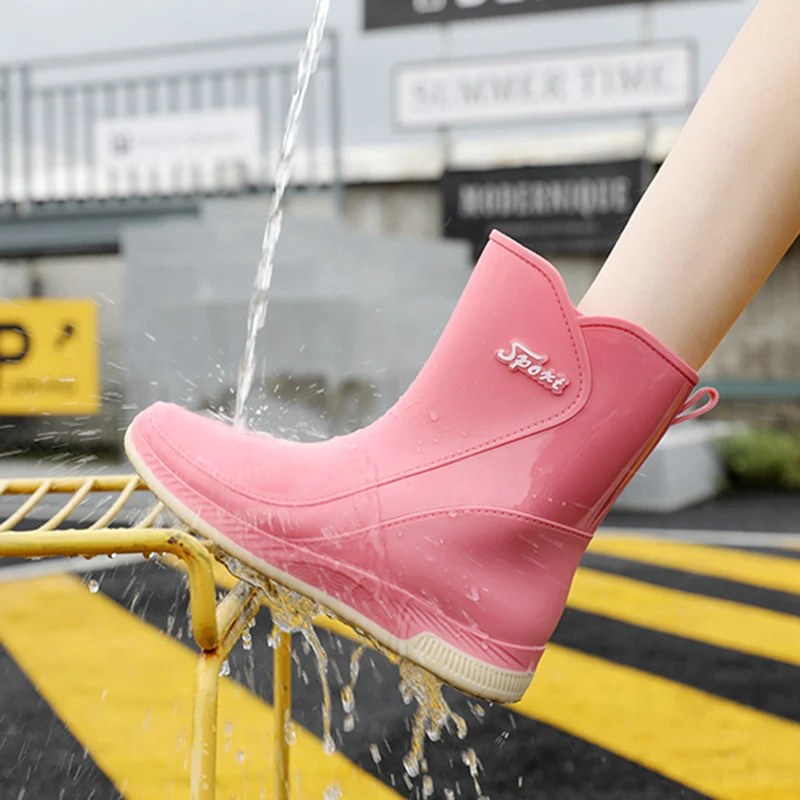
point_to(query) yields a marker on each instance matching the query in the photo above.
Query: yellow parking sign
(49, 360)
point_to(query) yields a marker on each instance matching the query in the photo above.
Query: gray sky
(35, 28)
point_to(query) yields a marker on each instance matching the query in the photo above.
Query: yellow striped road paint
(124, 690)
(756, 569)
(719, 748)
(756, 631)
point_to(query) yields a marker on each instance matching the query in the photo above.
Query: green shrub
(763, 459)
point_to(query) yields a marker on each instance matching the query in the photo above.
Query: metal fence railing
(190, 119)
(5, 133)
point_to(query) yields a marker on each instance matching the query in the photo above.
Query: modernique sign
(394, 13)
(575, 208)
(634, 79)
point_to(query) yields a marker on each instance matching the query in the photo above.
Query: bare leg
(725, 206)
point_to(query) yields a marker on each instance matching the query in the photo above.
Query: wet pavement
(673, 674)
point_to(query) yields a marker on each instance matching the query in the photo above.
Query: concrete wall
(352, 316)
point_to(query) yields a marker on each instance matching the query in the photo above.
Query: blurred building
(427, 119)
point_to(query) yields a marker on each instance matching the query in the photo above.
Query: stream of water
(259, 302)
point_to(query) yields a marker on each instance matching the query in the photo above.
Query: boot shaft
(564, 407)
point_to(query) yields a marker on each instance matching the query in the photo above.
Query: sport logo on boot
(532, 364)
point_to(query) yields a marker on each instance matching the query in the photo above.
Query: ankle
(688, 341)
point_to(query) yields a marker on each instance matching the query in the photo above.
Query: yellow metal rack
(217, 627)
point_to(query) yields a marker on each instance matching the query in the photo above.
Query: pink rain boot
(451, 528)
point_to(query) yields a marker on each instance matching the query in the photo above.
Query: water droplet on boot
(434, 416)
(349, 723)
(94, 586)
(474, 594)
(427, 786)
(225, 668)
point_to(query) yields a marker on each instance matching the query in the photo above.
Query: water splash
(332, 793)
(294, 613)
(291, 613)
(375, 752)
(348, 695)
(289, 732)
(471, 760)
(257, 313)
(432, 715)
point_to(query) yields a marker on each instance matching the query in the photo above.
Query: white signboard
(629, 80)
(207, 137)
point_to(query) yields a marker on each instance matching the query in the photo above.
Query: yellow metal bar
(111, 483)
(26, 507)
(282, 700)
(203, 772)
(117, 505)
(152, 516)
(68, 507)
(199, 561)
(234, 613)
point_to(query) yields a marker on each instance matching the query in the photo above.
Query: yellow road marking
(757, 631)
(124, 690)
(715, 746)
(756, 569)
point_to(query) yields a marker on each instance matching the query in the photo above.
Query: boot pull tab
(685, 414)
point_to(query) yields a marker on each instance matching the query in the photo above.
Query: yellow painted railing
(217, 627)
